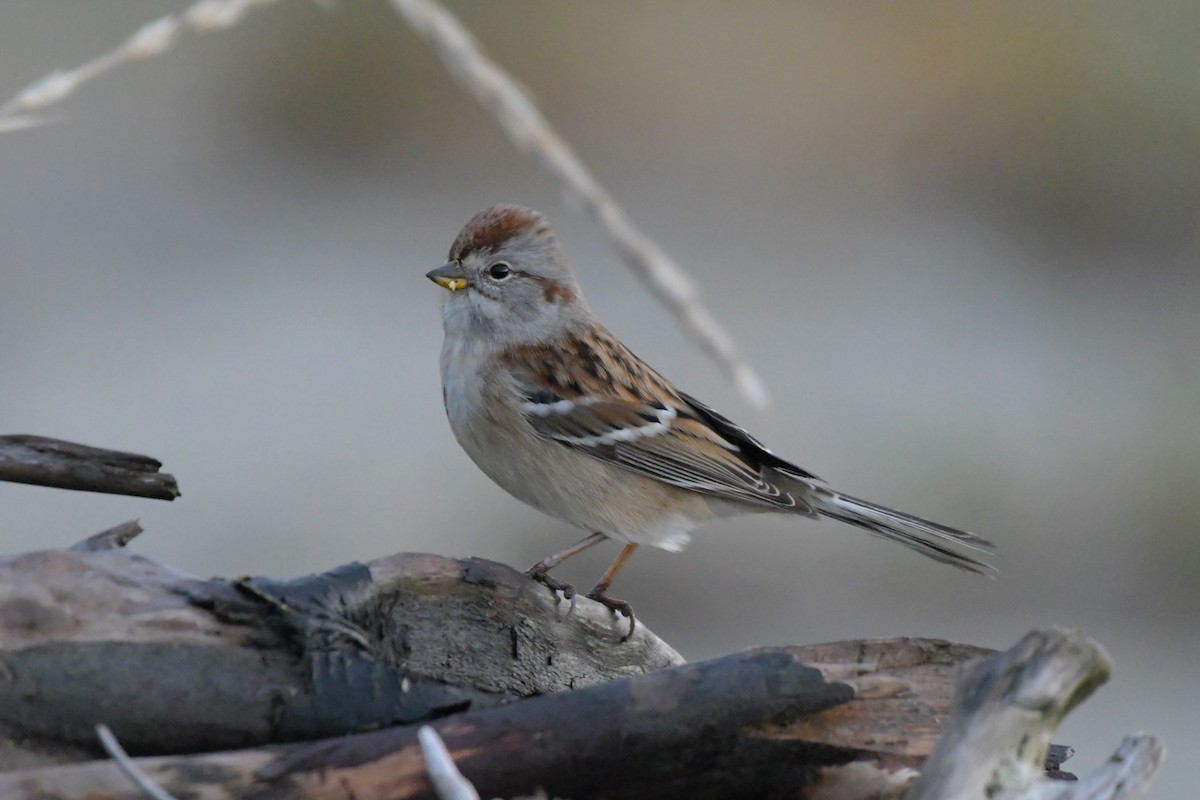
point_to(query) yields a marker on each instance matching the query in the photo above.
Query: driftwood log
(172, 664)
(317, 687)
(111, 637)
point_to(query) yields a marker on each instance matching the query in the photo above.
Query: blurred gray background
(959, 243)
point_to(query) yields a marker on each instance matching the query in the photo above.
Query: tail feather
(927, 538)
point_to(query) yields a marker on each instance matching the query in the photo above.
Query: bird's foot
(554, 585)
(616, 606)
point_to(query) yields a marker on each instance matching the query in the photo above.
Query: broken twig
(66, 465)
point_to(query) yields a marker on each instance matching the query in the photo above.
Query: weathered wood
(1005, 710)
(113, 538)
(175, 664)
(1125, 776)
(66, 465)
(762, 723)
(690, 731)
(736, 726)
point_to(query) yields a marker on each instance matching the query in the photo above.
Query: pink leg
(538, 571)
(548, 563)
(599, 592)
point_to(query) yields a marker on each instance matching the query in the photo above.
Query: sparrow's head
(507, 277)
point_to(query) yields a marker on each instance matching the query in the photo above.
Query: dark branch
(66, 465)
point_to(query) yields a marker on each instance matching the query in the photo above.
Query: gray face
(512, 284)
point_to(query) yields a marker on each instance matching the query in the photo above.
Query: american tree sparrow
(554, 409)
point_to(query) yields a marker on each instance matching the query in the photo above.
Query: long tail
(928, 538)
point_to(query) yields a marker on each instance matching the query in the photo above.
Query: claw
(616, 606)
(554, 585)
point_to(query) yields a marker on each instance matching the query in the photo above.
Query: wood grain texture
(1006, 708)
(175, 664)
(315, 687)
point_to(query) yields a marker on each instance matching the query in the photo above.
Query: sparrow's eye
(499, 271)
